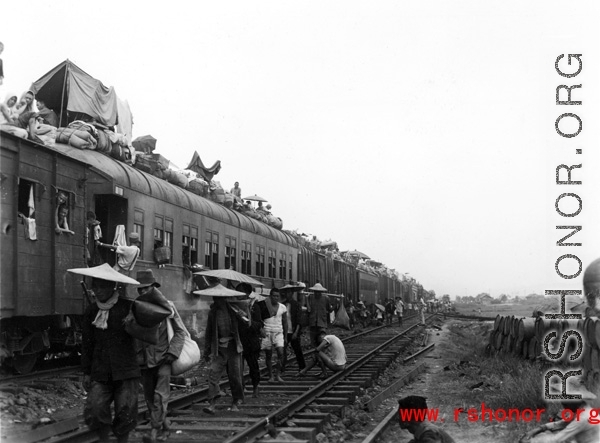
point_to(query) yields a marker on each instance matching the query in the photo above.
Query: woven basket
(162, 255)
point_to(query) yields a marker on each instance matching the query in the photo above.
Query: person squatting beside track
(423, 430)
(334, 358)
(276, 330)
(156, 361)
(223, 350)
(108, 359)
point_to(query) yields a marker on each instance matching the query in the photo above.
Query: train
(41, 303)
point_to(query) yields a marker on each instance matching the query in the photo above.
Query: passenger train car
(41, 303)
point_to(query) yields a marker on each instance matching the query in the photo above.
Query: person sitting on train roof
(236, 190)
(334, 358)
(7, 108)
(49, 116)
(25, 126)
(25, 103)
(423, 430)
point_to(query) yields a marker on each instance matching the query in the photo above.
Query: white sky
(421, 133)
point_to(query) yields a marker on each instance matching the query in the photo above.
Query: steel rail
(260, 428)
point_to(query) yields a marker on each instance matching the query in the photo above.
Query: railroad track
(35, 377)
(299, 407)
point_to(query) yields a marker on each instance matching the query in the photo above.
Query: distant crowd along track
(306, 401)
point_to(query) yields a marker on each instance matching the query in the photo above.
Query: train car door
(111, 211)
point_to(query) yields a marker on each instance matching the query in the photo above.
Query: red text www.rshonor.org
(498, 415)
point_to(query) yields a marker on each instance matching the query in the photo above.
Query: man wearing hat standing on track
(223, 349)
(294, 330)
(156, 360)
(251, 334)
(319, 308)
(108, 359)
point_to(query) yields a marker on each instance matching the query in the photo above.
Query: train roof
(129, 177)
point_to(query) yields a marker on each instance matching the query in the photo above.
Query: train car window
(211, 250)
(230, 252)
(138, 226)
(272, 263)
(189, 244)
(194, 244)
(27, 196)
(163, 234)
(62, 218)
(260, 261)
(246, 257)
(282, 266)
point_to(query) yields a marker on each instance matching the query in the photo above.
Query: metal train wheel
(24, 363)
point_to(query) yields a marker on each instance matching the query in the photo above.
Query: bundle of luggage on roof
(91, 116)
(330, 249)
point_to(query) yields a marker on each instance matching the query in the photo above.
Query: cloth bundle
(76, 138)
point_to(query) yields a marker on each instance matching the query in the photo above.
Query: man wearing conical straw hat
(108, 359)
(318, 308)
(222, 346)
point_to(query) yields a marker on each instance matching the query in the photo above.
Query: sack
(148, 314)
(133, 328)
(341, 318)
(150, 309)
(190, 353)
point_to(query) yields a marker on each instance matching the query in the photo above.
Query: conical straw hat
(219, 291)
(318, 288)
(104, 272)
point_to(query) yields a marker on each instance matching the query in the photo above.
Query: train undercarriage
(26, 341)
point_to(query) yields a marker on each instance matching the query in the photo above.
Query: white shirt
(335, 349)
(273, 324)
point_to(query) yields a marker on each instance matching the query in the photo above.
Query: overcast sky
(420, 133)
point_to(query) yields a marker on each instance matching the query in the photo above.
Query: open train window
(27, 194)
(62, 212)
(189, 251)
(246, 258)
(163, 233)
(230, 252)
(138, 226)
(282, 266)
(272, 263)
(211, 250)
(260, 261)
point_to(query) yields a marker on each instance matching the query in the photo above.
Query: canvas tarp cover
(82, 93)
